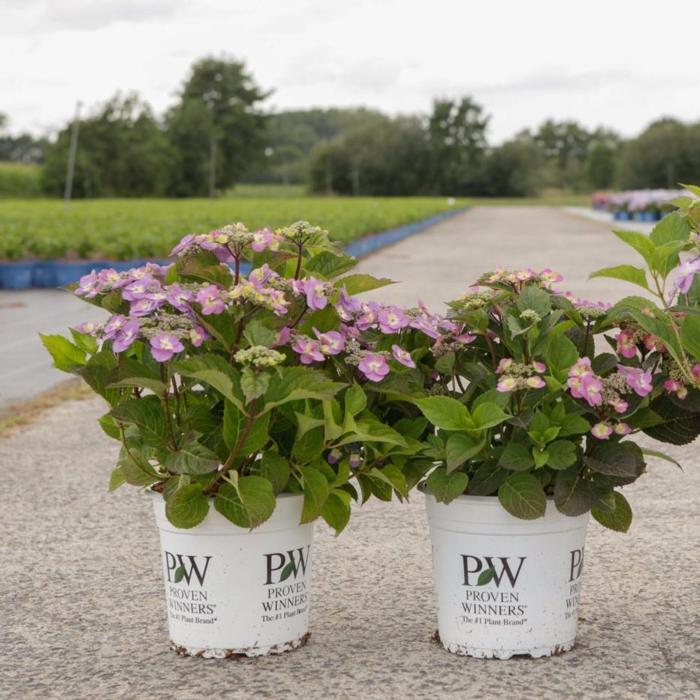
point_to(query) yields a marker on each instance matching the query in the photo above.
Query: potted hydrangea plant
(239, 402)
(531, 426)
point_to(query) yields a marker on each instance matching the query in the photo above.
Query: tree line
(217, 133)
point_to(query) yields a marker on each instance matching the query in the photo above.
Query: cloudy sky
(619, 63)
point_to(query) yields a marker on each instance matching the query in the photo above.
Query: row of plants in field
(19, 180)
(128, 229)
(639, 205)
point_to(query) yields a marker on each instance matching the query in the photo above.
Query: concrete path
(82, 606)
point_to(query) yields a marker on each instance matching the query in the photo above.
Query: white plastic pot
(231, 591)
(530, 604)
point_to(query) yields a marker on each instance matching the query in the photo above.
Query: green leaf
(356, 284)
(623, 459)
(485, 576)
(116, 479)
(488, 415)
(275, 469)
(562, 454)
(336, 510)
(516, 457)
(355, 400)
(446, 413)
(673, 228)
(254, 383)
(574, 495)
(192, 458)
(661, 455)
(215, 371)
(110, 427)
(187, 507)
(690, 335)
(179, 574)
(618, 519)
(66, 356)
(641, 243)
(391, 475)
(297, 384)
(316, 492)
(257, 333)
(136, 469)
(147, 415)
(486, 479)
(676, 426)
(84, 341)
(235, 425)
(561, 354)
(573, 424)
(446, 487)
(309, 446)
(328, 264)
(459, 448)
(247, 504)
(522, 495)
(534, 299)
(627, 273)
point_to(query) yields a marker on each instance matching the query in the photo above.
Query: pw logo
(186, 566)
(291, 563)
(576, 564)
(478, 571)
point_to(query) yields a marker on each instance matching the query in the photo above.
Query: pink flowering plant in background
(227, 388)
(530, 393)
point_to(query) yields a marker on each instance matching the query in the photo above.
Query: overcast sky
(621, 63)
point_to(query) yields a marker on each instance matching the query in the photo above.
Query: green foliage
(125, 230)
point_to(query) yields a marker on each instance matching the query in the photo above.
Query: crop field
(19, 180)
(123, 229)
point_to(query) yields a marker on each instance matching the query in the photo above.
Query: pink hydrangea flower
(535, 382)
(139, 288)
(622, 429)
(504, 364)
(210, 300)
(331, 342)
(126, 336)
(87, 327)
(347, 306)
(374, 366)
(592, 388)
(549, 277)
(506, 384)
(602, 431)
(309, 350)
(114, 325)
(197, 336)
(618, 404)
(637, 379)
(315, 291)
(539, 367)
(182, 245)
(144, 307)
(164, 346)
(264, 240)
(179, 298)
(672, 386)
(369, 313)
(88, 286)
(391, 319)
(426, 325)
(402, 356)
(626, 345)
(686, 273)
(283, 336)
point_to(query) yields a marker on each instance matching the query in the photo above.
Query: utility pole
(71, 154)
(212, 166)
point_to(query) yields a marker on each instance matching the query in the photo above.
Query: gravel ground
(82, 606)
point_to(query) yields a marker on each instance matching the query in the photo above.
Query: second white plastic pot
(505, 586)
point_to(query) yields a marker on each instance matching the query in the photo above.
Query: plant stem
(166, 406)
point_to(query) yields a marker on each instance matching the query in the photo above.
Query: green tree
(457, 137)
(122, 151)
(601, 166)
(665, 153)
(512, 169)
(217, 127)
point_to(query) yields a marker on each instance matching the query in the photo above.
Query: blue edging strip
(50, 273)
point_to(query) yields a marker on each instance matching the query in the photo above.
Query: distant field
(122, 229)
(556, 200)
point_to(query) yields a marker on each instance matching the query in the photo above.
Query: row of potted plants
(637, 205)
(248, 406)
